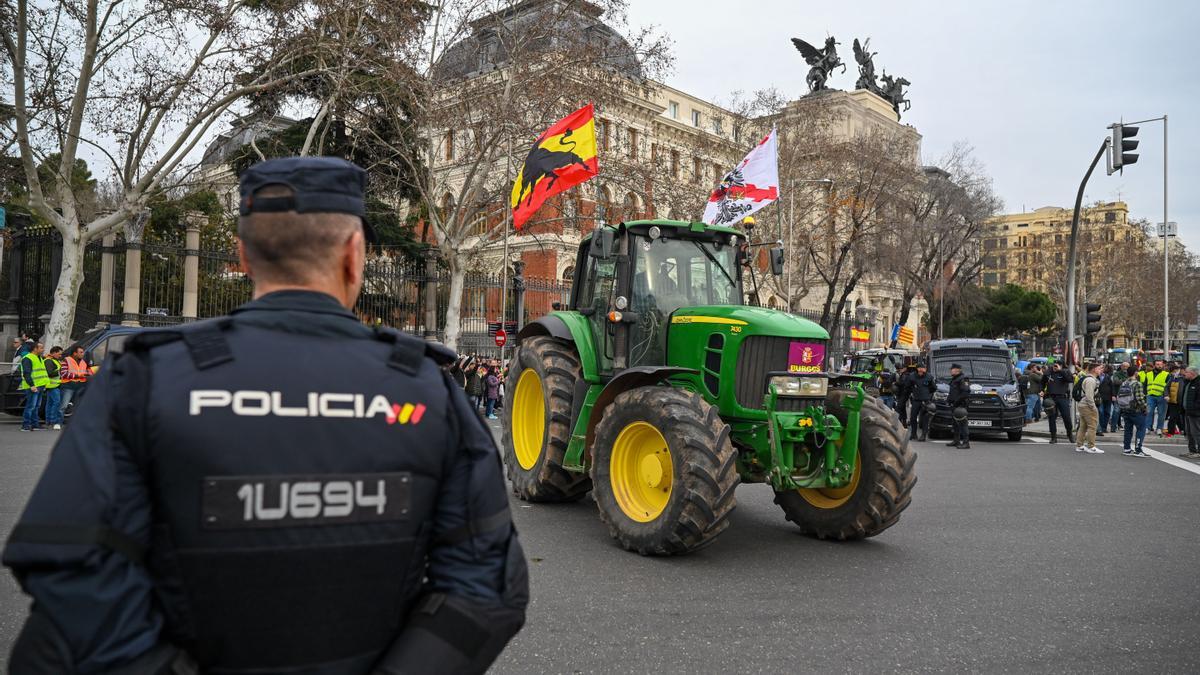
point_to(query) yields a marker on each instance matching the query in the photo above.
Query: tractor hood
(754, 320)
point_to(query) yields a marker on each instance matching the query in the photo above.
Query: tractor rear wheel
(664, 471)
(537, 419)
(879, 490)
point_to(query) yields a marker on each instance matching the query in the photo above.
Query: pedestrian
(922, 386)
(1155, 382)
(1189, 404)
(210, 511)
(457, 374)
(54, 370)
(492, 385)
(960, 391)
(885, 382)
(32, 372)
(1087, 396)
(74, 378)
(1118, 375)
(1106, 393)
(1131, 401)
(474, 386)
(1056, 396)
(904, 391)
(1175, 382)
(1031, 386)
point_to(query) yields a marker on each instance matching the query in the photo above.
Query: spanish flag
(563, 156)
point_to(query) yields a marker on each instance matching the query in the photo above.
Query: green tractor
(658, 390)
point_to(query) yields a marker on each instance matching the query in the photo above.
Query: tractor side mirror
(776, 256)
(603, 242)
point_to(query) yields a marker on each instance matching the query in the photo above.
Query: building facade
(1031, 249)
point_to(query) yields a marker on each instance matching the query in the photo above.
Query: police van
(97, 344)
(996, 404)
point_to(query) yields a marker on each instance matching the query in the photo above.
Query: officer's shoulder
(439, 353)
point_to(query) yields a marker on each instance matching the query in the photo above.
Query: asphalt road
(1019, 557)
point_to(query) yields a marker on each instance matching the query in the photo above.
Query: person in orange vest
(74, 377)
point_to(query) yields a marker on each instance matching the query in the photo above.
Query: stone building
(1030, 249)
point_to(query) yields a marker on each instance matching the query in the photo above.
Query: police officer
(960, 390)
(207, 508)
(921, 386)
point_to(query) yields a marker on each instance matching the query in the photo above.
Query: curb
(1178, 440)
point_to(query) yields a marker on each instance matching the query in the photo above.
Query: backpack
(1077, 390)
(1125, 397)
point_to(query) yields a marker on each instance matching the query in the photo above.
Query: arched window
(630, 208)
(568, 274)
(446, 207)
(605, 213)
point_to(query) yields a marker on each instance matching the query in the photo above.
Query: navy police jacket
(279, 490)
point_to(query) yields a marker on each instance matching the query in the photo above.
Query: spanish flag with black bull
(563, 156)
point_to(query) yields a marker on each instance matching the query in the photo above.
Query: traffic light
(1122, 144)
(1091, 318)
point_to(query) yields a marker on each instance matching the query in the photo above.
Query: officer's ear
(353, 258)
(242, 263)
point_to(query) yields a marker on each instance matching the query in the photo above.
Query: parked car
(97, 344)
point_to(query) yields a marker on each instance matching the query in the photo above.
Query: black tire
(557, 367)
(703, 473)
(884, 486)
(1015, 436)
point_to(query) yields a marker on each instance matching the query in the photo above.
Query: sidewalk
(1042, 430)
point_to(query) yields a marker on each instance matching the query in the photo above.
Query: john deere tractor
(660, 391)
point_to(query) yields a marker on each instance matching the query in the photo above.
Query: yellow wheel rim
(831, 498)
(641, 472)
(528, 419)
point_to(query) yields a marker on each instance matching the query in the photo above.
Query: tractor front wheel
(663, 471)
(879, 490)
(537, 418)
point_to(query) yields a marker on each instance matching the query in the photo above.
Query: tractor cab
(632, 279)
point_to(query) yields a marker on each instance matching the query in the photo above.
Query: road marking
(1173, 461)
(1034, 439)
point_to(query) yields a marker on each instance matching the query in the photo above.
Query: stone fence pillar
(191, 266)
(107, 246)
(133, 269)
(430, 291)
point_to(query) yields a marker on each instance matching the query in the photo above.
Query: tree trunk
(454, 303)
(66, 293)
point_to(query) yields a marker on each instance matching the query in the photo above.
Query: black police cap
(955, 365)
(318, 184)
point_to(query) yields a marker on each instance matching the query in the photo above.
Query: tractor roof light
(655, 232)
(621, 302)
(614, 317)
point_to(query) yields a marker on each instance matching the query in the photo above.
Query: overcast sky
(1031, 85)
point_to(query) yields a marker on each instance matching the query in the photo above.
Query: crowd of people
(483, 381)
(1157, 397)
(51, 381)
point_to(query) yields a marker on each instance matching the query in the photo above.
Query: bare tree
(136, 84)
(493, 76)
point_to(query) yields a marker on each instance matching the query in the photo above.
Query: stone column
(133, 269)
(430, 291)
(518, 287)
(106, 276)
(191, 266)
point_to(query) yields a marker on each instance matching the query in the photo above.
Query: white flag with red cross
(753, 184)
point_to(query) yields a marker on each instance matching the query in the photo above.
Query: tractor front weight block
(828, 449)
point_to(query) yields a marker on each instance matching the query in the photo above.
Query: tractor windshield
(673, 273)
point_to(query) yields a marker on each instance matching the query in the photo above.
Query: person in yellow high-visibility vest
(1155, 382)
(54, 373)
(33, 383)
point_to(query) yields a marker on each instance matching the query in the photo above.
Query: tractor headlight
(799, 387)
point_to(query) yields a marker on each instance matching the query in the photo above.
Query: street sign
(157, 311)
(1172, 229)
(501, 337)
